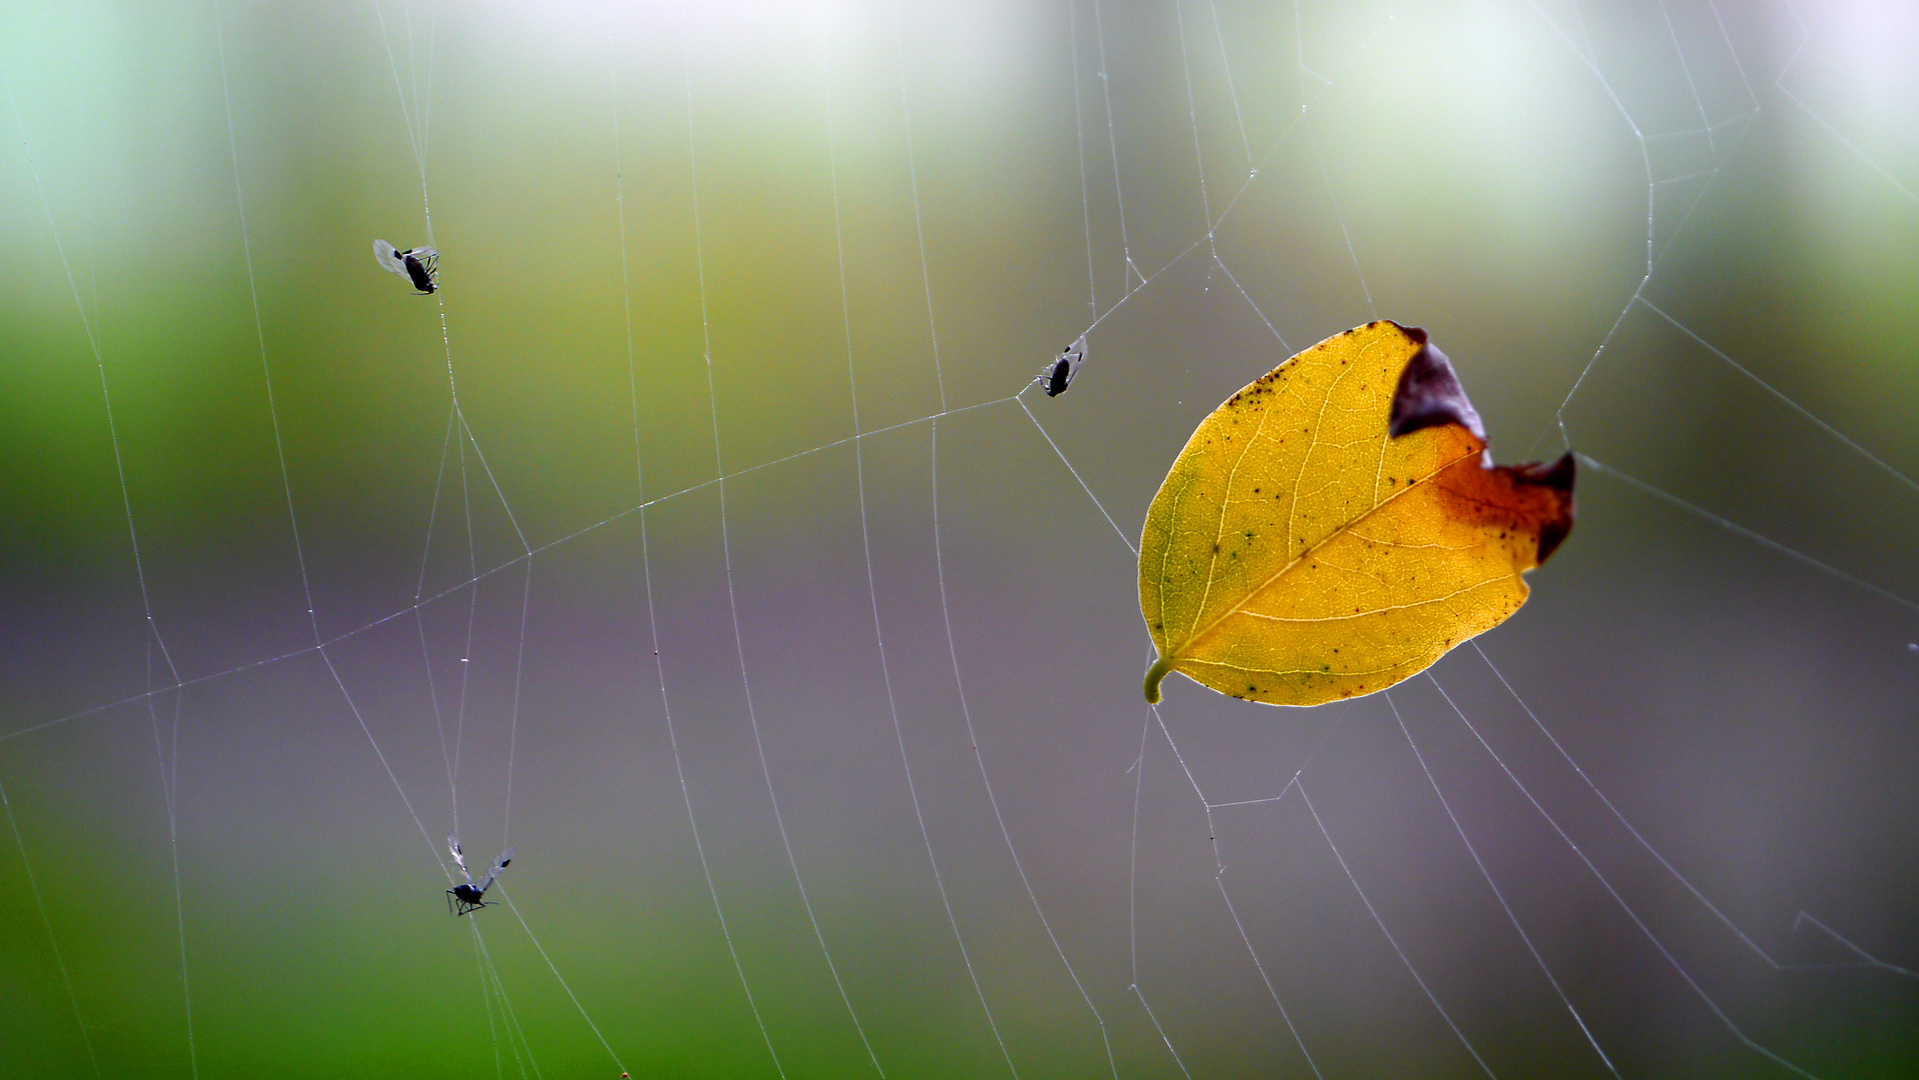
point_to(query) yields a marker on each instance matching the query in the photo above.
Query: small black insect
(469, 895)
(1058, 375)
(420, 265)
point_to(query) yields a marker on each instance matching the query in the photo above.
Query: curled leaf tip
(1429, 394)
(1557, 477)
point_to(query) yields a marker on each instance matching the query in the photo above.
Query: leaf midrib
(1205, 631)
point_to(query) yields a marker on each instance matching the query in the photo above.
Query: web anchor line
(557, 977)
(486, 997)
(493, 987)
(1631, 913)
(992, 798)
(1112, 145)
(1486, 876)
(53, 942)
(169, 767)
(1380, 922)
(417, 136)
(1866, 960)
(500, 568)
(1219, 863)
(726, 545)
(1079, 137)
(1132, 876)
(939, 376)
(152, 629)
(1265, 980)
(1745, 533)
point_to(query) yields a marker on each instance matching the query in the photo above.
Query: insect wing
(1059, 374)
(388, 258)
(499, 864)
(459, 857)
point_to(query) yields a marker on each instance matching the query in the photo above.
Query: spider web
(704, 537)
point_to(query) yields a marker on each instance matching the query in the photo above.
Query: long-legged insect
(469, 894)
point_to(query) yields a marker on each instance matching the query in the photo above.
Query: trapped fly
(1058, 375)
(469, 895)
(420, 265)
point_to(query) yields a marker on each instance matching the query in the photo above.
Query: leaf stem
(1153, 676)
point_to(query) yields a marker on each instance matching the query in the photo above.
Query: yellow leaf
(1337, 526)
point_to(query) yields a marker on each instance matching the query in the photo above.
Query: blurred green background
(1682, 236)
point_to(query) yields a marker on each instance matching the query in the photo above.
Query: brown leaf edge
(1535, 496)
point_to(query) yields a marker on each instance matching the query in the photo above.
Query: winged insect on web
(469, 895)
(420, 265)
(1058, 375)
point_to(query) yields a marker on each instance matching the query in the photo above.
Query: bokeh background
(736, 302)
